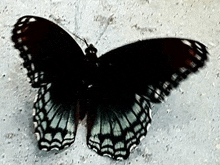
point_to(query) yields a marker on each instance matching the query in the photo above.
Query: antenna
(84, 40)
(58, 21)
(106, 26)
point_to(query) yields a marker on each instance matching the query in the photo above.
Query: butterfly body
(114, 91)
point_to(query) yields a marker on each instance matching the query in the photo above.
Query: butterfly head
(91, 50)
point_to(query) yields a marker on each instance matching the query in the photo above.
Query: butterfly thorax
(90, 69)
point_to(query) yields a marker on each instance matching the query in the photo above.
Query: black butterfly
(114, 91)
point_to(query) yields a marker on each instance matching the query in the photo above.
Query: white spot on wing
(186, 42)
(107, 155)
(37, 135)
(25, 47)
(198, 45)
(133, 147)
(56, 144)
(32, 20)
(142, 137)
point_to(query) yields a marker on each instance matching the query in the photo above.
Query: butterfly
(113, 93)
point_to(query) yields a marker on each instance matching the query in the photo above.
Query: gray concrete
(185, 129)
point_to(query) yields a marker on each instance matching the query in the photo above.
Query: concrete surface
(185, 129)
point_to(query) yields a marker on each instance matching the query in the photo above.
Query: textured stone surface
(185, 128)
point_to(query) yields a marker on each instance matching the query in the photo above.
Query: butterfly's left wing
(48, 51)
(55, 117)
(53, 62)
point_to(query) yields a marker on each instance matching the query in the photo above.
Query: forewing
(55, 118)
(116, 126)
(153, 67)
(49, 53)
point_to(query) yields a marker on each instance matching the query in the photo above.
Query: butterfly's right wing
(116, 126)
(155, 66)
(52, 59)
(131, 77)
